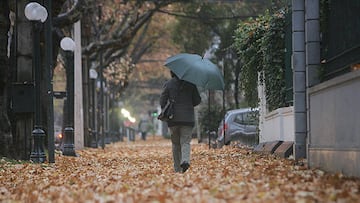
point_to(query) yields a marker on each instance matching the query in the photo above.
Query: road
(141, 171)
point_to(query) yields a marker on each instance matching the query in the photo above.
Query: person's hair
(173, 75)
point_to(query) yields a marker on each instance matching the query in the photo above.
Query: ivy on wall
(260, 44)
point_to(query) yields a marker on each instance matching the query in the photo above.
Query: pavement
(142, 171)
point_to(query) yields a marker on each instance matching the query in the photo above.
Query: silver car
(240, 124)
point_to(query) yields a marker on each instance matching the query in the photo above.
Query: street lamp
(130, 131)
(37, 14)
(68, 45)
(93, 75)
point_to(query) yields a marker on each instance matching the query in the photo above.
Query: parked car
(240, 124)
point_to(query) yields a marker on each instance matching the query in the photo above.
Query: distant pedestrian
(186, 97)
(143, 128)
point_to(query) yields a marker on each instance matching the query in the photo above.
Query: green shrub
(260, 44)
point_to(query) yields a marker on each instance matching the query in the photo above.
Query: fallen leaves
(142, 171)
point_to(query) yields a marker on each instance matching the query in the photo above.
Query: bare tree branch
(72, 16)
(123, 38)
(242, 17)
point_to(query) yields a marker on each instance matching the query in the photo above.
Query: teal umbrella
(197, 70)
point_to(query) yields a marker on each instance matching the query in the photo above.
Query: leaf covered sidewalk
(142, 171)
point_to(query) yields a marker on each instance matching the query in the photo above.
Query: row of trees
(120, 33)
(116, 29)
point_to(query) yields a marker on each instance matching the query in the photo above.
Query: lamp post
(101, 105)
(37, 14)
(68, 45)
(101, 78)
(93, 75)
(49, 82)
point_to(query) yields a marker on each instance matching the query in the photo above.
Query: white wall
(278, 125)
(275, 125)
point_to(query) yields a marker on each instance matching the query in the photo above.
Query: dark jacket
(186, 97)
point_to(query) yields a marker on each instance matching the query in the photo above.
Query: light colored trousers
(180, 139)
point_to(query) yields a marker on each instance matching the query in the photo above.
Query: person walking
(186, 97)
(143, 128)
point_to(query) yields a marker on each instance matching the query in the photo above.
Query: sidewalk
(141, 171)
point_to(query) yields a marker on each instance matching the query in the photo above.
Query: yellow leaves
(143, 172)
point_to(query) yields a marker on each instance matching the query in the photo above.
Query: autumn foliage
(141, 171)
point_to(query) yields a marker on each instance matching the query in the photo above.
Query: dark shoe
(184, 166)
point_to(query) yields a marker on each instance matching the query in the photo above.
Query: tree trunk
(23, 120)
(5, 129)
(87, 101)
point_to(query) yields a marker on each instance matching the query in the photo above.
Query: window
(247, 118)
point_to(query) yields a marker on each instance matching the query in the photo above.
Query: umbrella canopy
(197, 70)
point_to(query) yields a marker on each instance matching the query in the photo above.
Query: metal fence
(340, 27)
